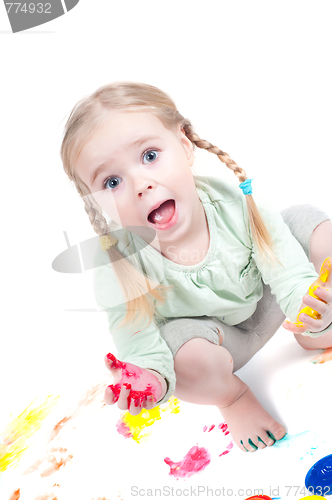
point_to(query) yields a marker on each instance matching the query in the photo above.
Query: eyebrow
(137, 143)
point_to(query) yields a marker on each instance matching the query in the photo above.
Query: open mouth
(163, 213)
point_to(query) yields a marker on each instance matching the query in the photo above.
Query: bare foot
(250, 425)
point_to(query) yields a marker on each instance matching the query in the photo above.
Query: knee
(308, 343)
(198, 359)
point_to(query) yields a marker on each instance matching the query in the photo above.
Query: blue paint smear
(288, 439)
(309, 438)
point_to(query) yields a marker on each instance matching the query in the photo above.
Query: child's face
(143, 165)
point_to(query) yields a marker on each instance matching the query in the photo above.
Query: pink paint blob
(204, 428)
(195, 461)
(124, 429)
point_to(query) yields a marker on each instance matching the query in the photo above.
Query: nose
(143, 185)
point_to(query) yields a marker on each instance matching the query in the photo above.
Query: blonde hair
(82, 123)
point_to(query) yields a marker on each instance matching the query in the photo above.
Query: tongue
(164, 213)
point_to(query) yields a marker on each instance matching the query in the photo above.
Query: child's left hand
(316, 311)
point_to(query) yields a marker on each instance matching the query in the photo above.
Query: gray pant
(246, 338)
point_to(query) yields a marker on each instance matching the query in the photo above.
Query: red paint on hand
(143, 385)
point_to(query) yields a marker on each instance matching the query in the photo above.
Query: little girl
(212, 274)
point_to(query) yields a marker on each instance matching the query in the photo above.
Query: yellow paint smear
(136, 424)
(14, 439)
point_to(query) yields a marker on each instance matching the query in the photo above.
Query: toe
(277, 432)
(249, 445)
(266, 438)
(260, 443)
(253, 443)
(242, 447)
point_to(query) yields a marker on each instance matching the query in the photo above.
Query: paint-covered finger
(324, 294)
(313, 325)
(325, 273)
(296, 328)
(318, 305)
(149, 402)
(124, 397)
(111, 394)
(136, 403)
(113, 364)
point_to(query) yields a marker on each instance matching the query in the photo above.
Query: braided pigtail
(259, 231)
(138, 289)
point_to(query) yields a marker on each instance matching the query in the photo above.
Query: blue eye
(150, 155)
(111, 180)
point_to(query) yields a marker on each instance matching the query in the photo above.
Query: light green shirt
(226, 284)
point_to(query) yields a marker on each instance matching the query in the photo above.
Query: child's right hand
(135, 388)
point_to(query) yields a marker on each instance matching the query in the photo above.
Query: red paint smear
(55, 465)
(124, 429)
(16, 495)
(224, 427)
(58, 427)
(51, 459)
(257, 497)
(212, 427)
(89, 398)
(195, 461)
(228, 449)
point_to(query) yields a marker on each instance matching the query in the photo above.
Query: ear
(187, 145)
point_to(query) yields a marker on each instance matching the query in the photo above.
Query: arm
(145, 349)
(142, 346)
(291, 278)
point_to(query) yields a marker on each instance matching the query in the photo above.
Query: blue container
(318, 480)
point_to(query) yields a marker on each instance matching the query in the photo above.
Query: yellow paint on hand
(322, 278)
(14, 439)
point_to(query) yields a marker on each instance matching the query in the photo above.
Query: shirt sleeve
(291, 278)
(141, 346)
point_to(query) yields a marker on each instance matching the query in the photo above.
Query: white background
(255, 79)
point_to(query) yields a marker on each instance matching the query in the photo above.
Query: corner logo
(25, 15)
(69, 260)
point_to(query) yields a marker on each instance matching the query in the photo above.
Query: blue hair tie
(246, 186)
